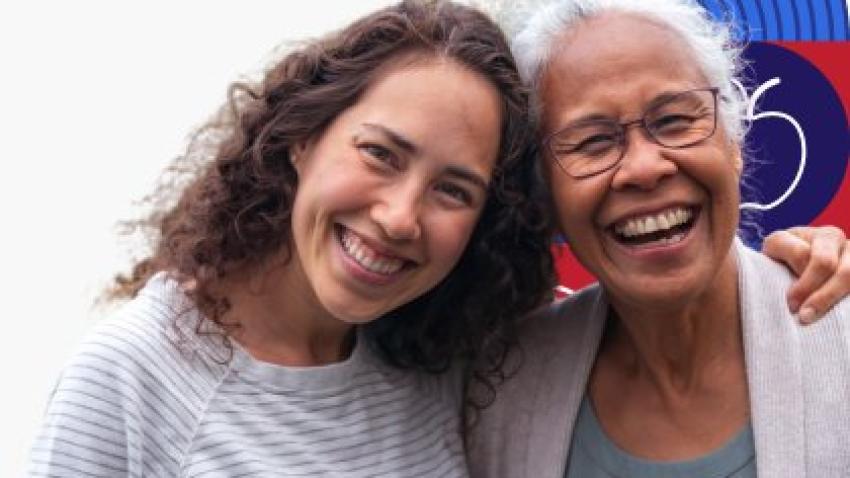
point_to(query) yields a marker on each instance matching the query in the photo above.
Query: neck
(673, 370)
(277, 321)
(681, 348)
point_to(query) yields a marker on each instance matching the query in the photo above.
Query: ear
(297, 152)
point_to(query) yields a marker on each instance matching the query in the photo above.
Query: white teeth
(672, 239)
(650, 224)
(657, 222)
(368, 258)
(383, 266)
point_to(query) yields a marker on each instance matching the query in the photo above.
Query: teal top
(594, 455)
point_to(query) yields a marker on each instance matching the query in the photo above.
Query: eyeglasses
(676, 121)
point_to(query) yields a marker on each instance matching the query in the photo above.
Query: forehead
(439, 104)
(615, 63)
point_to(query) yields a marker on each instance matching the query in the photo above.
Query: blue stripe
(807, 21)
(741, 20)
(753, 20)
(730, 15)
(768, 19)
(791, 20)
(792, 14)
(822, 26)
(829, 21)
(716, 10)
(784, 26)
(839, 15)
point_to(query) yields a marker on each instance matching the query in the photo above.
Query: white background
(95, 98)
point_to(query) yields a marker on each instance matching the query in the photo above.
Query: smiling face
(657, 227)
(389, 194)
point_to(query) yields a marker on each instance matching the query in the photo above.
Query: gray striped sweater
(146, 397)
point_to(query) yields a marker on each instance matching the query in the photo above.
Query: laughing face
(655, 228)
(389, 194)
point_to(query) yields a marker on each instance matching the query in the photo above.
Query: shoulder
(148, 338)
(562, 322)
(522, 430)
(757, 268)
(774, 334)
(797, 375)
(129, 387)
(771, 277)
(765, 282)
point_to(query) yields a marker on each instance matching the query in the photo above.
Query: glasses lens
(683, 120)
(586, 148)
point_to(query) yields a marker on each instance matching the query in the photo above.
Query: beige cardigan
(798, 377)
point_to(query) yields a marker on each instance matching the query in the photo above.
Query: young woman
(356, 222)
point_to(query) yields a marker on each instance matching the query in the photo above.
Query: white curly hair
(536, 25)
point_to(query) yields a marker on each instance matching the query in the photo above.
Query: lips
(668, 226)
(367, 257)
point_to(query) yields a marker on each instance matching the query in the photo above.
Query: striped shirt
(146, 395)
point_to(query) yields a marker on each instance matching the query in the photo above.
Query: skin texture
(669, 381)
(407, 186)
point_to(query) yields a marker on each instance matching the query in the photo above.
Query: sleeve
(114, 411)
(90, 423)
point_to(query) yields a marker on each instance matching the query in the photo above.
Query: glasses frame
(623, 129)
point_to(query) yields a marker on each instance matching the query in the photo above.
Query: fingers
(831, 292)
(817, 255)
(789, 248)
(827, 244)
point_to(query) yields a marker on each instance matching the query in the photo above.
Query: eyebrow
(410, 147)
(397, 138)
(465, 174)
(591, 118)
(662, 97)
(655, 101)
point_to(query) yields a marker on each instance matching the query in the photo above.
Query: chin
(657, 292)
(356, 314)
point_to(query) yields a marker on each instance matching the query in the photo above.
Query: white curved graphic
(752, 117)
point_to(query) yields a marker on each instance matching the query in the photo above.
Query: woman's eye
(672, 123)
(456, 193)
(380, 154)
(595, 144)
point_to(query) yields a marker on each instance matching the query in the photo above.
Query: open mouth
(658, 229)
(368, 258)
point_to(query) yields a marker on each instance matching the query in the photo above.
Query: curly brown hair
(235, 211)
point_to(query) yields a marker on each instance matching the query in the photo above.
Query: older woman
(684, 360)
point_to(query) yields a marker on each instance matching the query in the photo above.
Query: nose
(644, 163)
(397, 212)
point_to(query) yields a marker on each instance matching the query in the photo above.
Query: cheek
(574, 205)
(729, 202)
(721, 179)
(315, 205)
(449, 239)
(330, 189)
